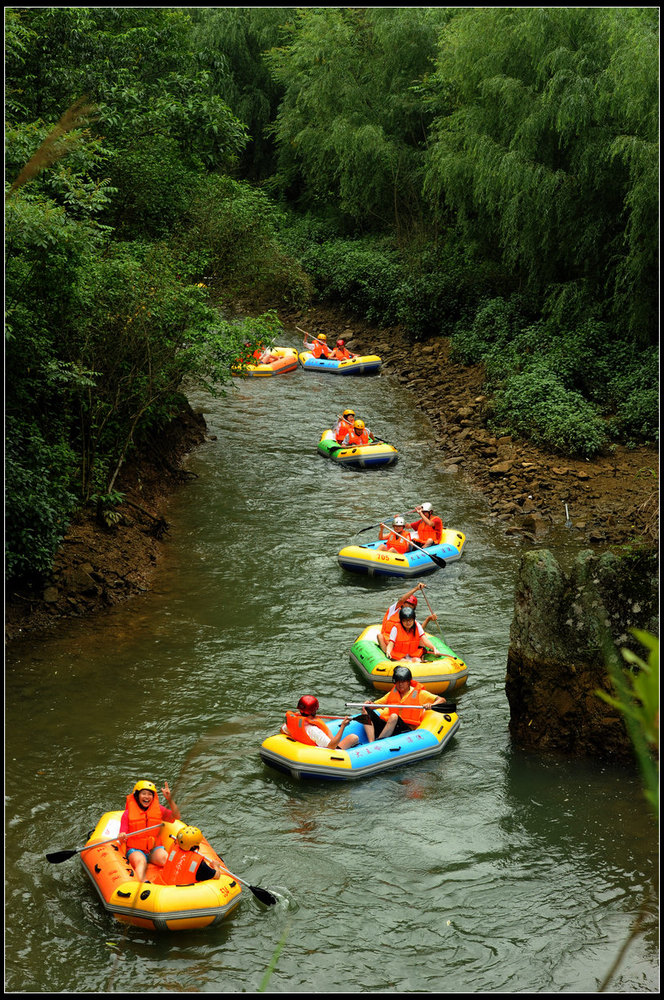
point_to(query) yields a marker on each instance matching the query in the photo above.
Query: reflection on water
(484, 869)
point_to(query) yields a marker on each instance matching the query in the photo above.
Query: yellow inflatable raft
(150, 904)
(286, 362)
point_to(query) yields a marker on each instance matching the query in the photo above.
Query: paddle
(435, 617)
(378, 523)
(262, 894)
(446, 706)
(436, 559)
(57, 857)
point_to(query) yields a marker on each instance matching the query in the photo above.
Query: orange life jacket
(320, 350)
(428, 531)
(140, 818)
(295, 723)
(406, 643)
(181, 867)
(258, 354)
(355, 440)
(397, 542)
(343, 428)
(412, 697)
(388, 621)
(340, 354)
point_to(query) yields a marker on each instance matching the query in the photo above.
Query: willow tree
(550, 155)
(351, 128)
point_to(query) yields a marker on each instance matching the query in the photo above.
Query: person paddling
(391, 616)
(405, 692)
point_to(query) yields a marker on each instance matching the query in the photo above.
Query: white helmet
(427, 507)
(398, 522)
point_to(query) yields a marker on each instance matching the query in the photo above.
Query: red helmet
(411, 600)
(307, 705)
(341, 342)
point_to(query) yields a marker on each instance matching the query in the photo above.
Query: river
(485, 869)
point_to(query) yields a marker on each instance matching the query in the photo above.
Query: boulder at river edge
(555, 661)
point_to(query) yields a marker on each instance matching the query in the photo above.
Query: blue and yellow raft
(366, 456)
(366, 759)
(367, 559)
(442, 673)
(364, 364)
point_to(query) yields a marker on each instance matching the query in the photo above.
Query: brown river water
(485, 869)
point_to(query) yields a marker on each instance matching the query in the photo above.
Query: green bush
(536, 404)
(39, 500)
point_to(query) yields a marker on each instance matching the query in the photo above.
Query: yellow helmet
(141, 785)
(348, 413)
(189, 837)
(322, 336)
(359, 425)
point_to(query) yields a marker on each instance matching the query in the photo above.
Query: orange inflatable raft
(153, 904)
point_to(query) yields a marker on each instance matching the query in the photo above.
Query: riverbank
(100, 565)
(611, 500)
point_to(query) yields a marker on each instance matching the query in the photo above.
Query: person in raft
(391, 616)
(407, 640)
(429, 528)
(319, 347)
(306, 727)
(341, 352)
(266, 356)
(392, 721)
(397, 540)
(143, 809)
(344, 425)
(359, 435)
(184, 864)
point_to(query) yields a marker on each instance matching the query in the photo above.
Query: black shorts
(379, 724)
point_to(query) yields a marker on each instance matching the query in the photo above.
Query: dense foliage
(488, 174)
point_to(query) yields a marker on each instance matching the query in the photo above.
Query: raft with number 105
(371, 559)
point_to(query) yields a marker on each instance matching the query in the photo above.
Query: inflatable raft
(359, 456)
(152, 904)
(365, 364)
(367, 559)
(286, 362)
(433, 734)
(442, 673)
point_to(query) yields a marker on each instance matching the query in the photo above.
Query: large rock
(556, 660)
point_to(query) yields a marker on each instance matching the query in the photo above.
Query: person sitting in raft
(344, 425)
(185, 865)
(319, 347)
(397, 540)
(391, 616)
(266, 356)
(306, 727)
(358, 435)
(407, 692)
(341, 352)
(429, 527)
(143, 809)
(407, 640)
